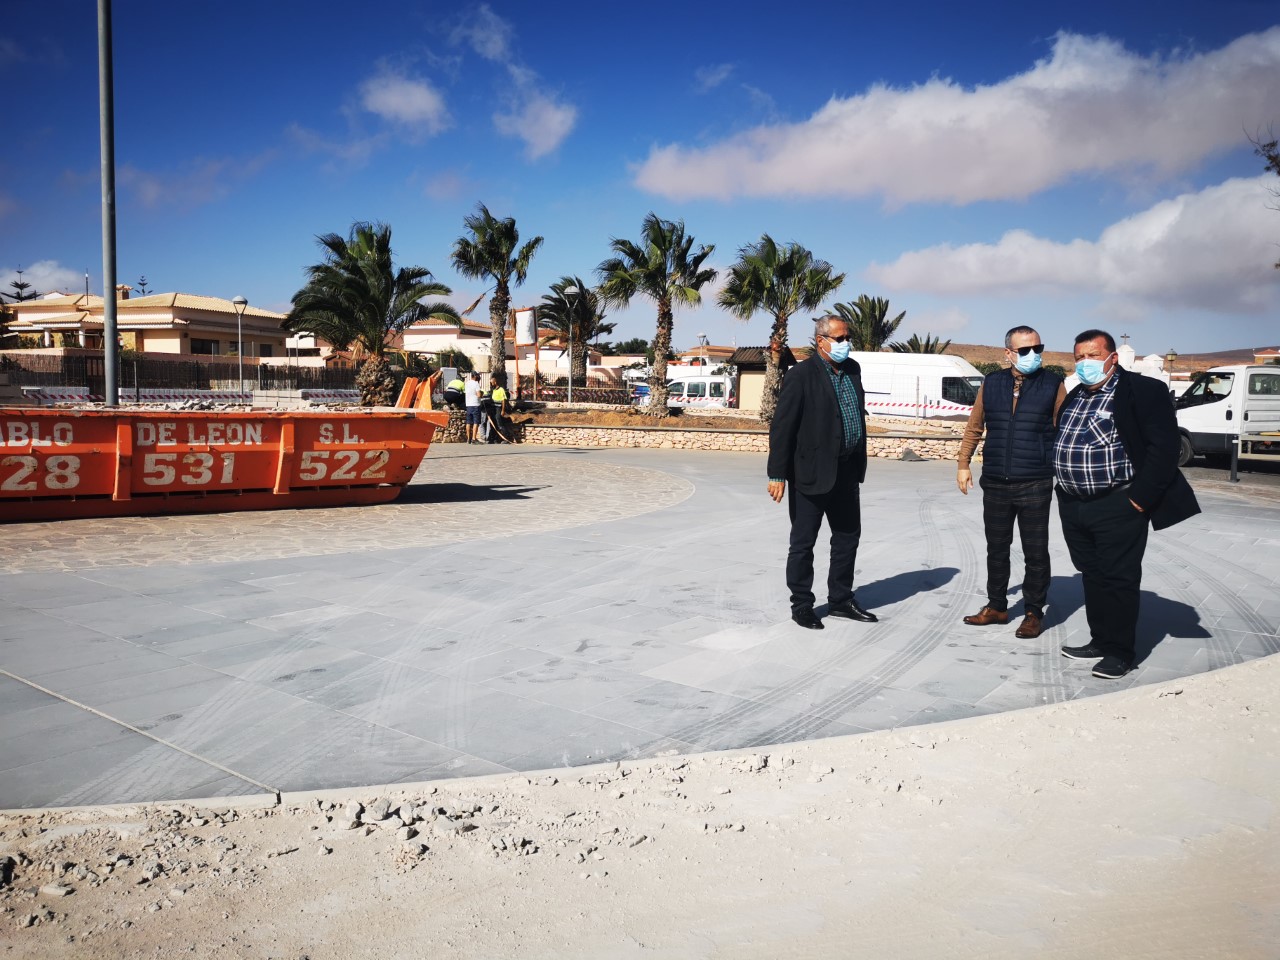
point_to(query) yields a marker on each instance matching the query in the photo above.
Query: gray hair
(822, 325)
(1008, 337)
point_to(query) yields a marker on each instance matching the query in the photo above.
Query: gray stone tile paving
(521, 608)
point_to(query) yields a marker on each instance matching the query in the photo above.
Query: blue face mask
(1028, 364)
(840, 352)
(1090, 372)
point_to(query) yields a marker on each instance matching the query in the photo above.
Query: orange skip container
(57, 464)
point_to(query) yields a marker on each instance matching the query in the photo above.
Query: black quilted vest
(1019, 442)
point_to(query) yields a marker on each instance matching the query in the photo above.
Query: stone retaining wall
(887, 446)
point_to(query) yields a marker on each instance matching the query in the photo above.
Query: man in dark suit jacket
(1116, 462)
(818, 444)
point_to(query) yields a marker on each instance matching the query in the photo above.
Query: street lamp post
(240, 303)
(568, 291)
(1170, 357)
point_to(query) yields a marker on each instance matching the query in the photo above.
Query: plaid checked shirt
(850, 408)
(1088, 457)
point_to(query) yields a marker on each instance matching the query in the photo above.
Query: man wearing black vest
(1018, 408)
(818, 444)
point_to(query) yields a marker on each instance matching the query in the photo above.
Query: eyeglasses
(1023, 351)
(841, 339)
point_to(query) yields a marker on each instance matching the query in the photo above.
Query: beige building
(751, 363)
(173, 323)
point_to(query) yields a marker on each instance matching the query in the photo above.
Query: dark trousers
(1107, 538)
(1027, 502)
(842, 509)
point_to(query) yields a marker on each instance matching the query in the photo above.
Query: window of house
(264, 350)
(207, 348)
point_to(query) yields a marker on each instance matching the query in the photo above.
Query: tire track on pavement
(1216, 644)
(789, 690)
(897, 664)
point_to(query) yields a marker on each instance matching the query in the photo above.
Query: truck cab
(1226, 403)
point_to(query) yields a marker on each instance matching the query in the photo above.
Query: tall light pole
(107, 139)
(570, 291)
(240, 303)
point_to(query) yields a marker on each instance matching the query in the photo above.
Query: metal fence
(148, 372)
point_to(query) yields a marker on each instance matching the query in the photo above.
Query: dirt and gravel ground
(1142, 824)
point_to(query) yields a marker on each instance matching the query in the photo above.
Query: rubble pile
(89, 872)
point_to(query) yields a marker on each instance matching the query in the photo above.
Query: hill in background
(979, 353)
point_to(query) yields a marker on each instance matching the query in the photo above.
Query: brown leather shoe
(1030, 627)
(987, 616)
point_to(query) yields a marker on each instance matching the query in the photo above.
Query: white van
(700, 391)
(1227, 402)
(918, 384)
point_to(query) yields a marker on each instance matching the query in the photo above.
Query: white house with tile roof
(173, 323)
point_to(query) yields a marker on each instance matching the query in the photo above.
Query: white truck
(1226, 403)
(697, 391)
(918, 384)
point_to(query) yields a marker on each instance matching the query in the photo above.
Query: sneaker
(1112, 667)
(1089, 651)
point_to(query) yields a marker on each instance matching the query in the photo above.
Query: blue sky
(981, 165)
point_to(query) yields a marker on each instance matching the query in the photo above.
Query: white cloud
(539, 120)
(530, 113)
(350, 153)
(1213, 249)
(945, 322)
(708, 78)
(1090, 107)
(411, 102)
(11, 52)
(486, 33)
(45, 276)
(201, 180)
(448, 185)
(761, 101)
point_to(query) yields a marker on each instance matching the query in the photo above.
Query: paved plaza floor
(528, 607)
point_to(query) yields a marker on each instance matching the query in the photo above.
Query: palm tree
(357, 296)
(916, 345)
(491, 253)
(576, 318)
(779, 281)
(869, 326)
(666, 269)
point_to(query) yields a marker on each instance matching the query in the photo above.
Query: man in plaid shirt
(1116, 463)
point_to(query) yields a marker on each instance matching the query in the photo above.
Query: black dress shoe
(1089, 651)
(851, 610)
(806, 618)
(1112, 667)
